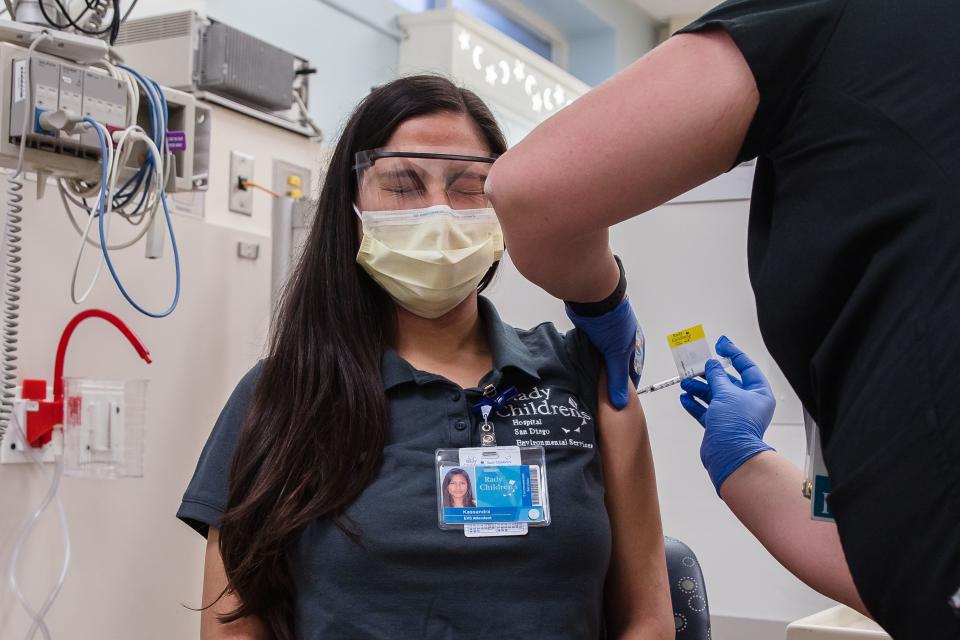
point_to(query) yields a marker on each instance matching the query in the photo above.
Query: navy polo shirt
(409, 578)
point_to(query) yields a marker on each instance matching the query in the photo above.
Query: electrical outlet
(295, 181)
(241, 168)
(248, 250)
(291, 180)
(13, 449)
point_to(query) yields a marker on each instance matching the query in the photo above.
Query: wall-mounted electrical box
(54, 82)
(183, 138)
(220, 64)
(89, 91)
(202, 125)
(296, 182)
(63, 85)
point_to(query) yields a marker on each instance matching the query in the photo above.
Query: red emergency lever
(40, 423)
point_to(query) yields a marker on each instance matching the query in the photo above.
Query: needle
(660, 385)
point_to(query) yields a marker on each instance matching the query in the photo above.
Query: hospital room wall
(135, 568)
(350, 56)
(635, 32)
(134, 564)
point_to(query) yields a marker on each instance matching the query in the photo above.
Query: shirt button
(460, 425)
(456, 396)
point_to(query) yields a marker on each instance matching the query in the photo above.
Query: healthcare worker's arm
(669, 122)
(765, 496)
(637, 591)
(760, 486)
(214, 582)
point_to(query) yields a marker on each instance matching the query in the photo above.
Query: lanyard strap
(491, 401)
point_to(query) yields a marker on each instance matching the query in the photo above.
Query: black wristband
(608, 304)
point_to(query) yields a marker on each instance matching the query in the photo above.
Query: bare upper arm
(214, 583)
(671, 121)
(638, 596)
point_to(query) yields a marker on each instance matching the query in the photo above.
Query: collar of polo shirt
(505, 345)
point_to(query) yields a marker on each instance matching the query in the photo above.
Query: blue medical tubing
(103, 239)
(143, 194)
(159, 114)
(151, 100)
(166, 112)
(159, 120)
(123, 197)
(101, 199)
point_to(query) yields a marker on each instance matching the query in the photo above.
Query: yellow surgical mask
(429, 260)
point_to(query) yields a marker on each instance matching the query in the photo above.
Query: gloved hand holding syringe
(690, 351)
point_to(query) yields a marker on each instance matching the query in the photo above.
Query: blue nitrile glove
(617, 336)
(736, 415)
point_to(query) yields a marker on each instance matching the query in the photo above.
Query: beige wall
(134, 565)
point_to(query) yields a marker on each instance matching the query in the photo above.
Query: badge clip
(490, 402)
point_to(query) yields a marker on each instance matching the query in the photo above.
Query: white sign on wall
(520, 86)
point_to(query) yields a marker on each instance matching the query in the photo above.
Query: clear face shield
(429, 233)
(420, 178)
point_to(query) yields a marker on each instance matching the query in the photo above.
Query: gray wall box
(247, 69)
(220, 64)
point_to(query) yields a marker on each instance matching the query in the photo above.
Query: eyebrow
(402, 173)
(453, 177)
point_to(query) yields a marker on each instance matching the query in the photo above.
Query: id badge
(816, 486)
(490, 491)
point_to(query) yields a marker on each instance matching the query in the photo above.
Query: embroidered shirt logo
(535, 414)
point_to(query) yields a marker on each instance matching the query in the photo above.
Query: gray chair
(691, 614)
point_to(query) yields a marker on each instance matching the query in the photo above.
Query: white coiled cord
(9, 331)
(11, 299)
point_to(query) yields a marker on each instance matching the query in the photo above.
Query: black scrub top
(854, 233)
(411, 579)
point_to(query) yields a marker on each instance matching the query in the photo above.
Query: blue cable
(166, 112)
(157, 128)
(159, 121)
(126, 193)
(144, 193)
(158, 106)
(138, 178)
(151, 100)
(103, 237)
(123, 198)
(102, 198)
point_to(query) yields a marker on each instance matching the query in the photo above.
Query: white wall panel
(133, 562)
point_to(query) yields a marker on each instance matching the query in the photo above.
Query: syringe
(660, 385)
(677, 380)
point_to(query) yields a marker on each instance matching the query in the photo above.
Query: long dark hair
(468, 500)
(319, 419)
